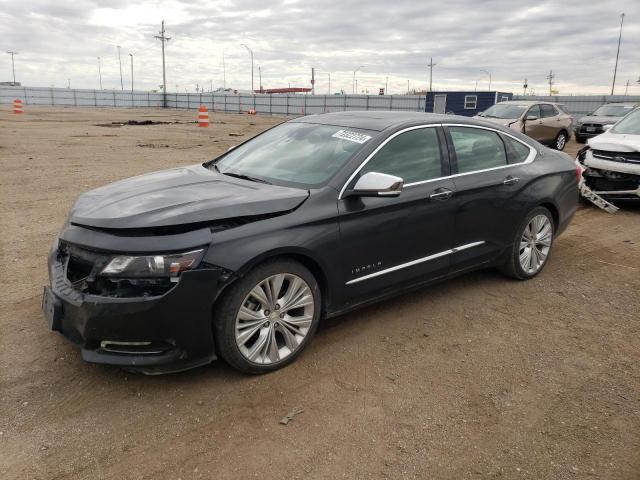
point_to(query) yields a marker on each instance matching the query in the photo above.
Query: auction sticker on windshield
(351, 136)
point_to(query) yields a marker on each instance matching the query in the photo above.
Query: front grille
(621, 157)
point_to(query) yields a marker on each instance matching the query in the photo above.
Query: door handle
(441, 194)
(511, 180)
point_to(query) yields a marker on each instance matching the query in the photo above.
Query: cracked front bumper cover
(162, 334)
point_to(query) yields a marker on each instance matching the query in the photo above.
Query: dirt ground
(480, 377)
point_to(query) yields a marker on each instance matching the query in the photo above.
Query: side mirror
(606, 128)
(531, 117)
(374, 184)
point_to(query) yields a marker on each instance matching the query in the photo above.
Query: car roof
(527, 102)
(375, 120)
(621, 104)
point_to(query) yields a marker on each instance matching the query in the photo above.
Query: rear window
(516, 151)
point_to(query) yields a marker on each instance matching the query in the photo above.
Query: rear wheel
(532, 245)
(561, 141)
(267, 318)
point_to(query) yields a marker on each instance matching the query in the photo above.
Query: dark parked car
(241, 257)
(597, 121)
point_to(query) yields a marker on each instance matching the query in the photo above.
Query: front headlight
(146, 266)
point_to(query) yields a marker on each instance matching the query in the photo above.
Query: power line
(615, 69)
(431, 65)
(13, 66)
(163, 38)
(120, 62)
(550, 77)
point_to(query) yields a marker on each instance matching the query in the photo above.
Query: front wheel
(560, 141)
(532, 245)
(267, 318)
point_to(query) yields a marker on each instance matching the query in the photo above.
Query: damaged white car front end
(611, 161)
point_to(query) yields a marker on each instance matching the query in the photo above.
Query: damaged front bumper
(611, 175)
(149, 333)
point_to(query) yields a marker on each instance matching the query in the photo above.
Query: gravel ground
(479, 377)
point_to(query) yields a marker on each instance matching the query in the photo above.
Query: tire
(513, 265)
(265, 336)
(561, 141)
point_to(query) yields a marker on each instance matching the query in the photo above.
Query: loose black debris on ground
(137, 123)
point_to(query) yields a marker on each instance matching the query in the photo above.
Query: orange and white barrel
(17, 106)
(203, 116)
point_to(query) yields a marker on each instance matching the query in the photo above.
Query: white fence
(281, 104)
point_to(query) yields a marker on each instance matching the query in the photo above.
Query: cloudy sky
(60, 41)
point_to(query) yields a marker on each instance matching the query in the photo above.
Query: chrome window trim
(378, 148)
(532, 155)
(415, 262)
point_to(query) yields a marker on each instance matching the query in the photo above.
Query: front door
(534, 128)
(439, 103)
(389, 241)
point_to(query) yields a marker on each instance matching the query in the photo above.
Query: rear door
(389, 241)
(489, 169)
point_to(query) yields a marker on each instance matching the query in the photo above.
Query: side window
(535, 111)
(517, 151)
(414, 156)
(477, 149)
(470, 102)
(548, 111)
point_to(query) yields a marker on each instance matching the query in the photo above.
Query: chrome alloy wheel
(561, 141)
(535, 243)
(274, 318)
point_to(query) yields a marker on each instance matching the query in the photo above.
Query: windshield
(505, 111)
(301, 153)
(629, 125)
(612, 110)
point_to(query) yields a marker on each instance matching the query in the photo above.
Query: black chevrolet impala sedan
(242, 256)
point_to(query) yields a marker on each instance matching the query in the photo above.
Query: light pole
(615, 69)
(120, 62)
(260, 77)
(99, 73)
(329, 89)
(13, 66)
(224, 72)
(131, 55)
(251, 52)
(353, 84)
(488, 73)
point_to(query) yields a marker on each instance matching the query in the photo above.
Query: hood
(501, 121)
(597, 120)
(615, 142)
(180, 196)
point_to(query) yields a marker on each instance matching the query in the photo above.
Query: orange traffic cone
(203, 116)
(17, 106)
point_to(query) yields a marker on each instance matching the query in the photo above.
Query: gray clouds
(513, 40)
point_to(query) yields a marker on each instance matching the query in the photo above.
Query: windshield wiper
(245, 177)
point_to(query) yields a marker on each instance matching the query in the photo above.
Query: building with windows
(467, 104)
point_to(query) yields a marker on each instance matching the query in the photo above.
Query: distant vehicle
(593, 124)
(547, 122)
(612, 160)
(240, 257)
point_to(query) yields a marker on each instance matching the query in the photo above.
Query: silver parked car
(594, 123)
